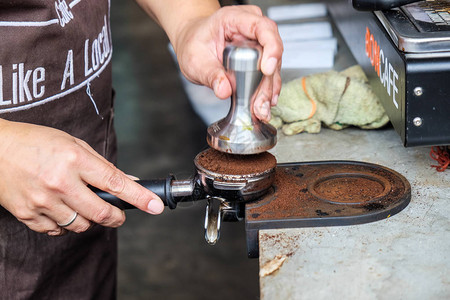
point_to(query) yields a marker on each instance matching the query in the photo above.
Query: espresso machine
(404, 48)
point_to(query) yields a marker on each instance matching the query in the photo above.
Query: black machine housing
(407, 62)
(372, 5)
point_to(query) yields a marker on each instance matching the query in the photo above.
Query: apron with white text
(55, 70)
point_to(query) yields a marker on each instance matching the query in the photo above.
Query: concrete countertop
(402, 257)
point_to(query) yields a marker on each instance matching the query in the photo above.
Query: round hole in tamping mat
(350, 188)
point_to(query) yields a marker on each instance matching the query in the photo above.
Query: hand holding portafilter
(240, 132)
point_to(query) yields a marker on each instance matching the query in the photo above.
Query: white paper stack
(297, 11)
(309, 54)
(307, 45)
(305, 31)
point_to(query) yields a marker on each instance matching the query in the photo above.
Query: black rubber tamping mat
(326, 193)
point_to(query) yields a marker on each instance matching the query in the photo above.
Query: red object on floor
(442, 156)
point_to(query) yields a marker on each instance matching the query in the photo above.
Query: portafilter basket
(225, 193)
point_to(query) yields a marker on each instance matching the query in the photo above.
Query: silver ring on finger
(70, 221)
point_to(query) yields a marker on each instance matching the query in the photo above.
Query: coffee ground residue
(349, 189)
(289, 190)
(318, 191)
(233, 164)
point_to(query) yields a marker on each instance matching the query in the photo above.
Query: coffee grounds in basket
(233, 164)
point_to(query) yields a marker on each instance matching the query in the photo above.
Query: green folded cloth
(336, 99)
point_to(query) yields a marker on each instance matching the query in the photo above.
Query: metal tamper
(240, 132)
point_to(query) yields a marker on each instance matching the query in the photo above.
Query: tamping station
(241, 140)
(239, 179)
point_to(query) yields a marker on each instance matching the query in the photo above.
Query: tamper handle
(241, 58)
(240, 132)
(242, 65)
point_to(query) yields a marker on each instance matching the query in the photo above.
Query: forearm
(173, 15)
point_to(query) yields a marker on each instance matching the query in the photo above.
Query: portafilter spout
(240, 132)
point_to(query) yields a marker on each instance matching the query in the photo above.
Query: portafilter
(225, 193)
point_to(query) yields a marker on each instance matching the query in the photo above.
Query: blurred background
(166, 256)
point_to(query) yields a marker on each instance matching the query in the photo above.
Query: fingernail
(265, 110)
(216, 84)
(132, 177)
(155, 206)
(275, 100)
(270, 66)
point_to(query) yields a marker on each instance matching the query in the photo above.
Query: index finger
(115, 176)
(111, 180)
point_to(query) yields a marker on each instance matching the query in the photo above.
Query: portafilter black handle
(161, 187)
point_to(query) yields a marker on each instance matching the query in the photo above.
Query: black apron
(55, 70)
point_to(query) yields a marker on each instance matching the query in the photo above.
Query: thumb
(219, 82)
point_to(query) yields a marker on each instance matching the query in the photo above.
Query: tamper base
(241, 139)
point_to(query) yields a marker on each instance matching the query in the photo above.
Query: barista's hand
(45, 173)
(200, 43)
